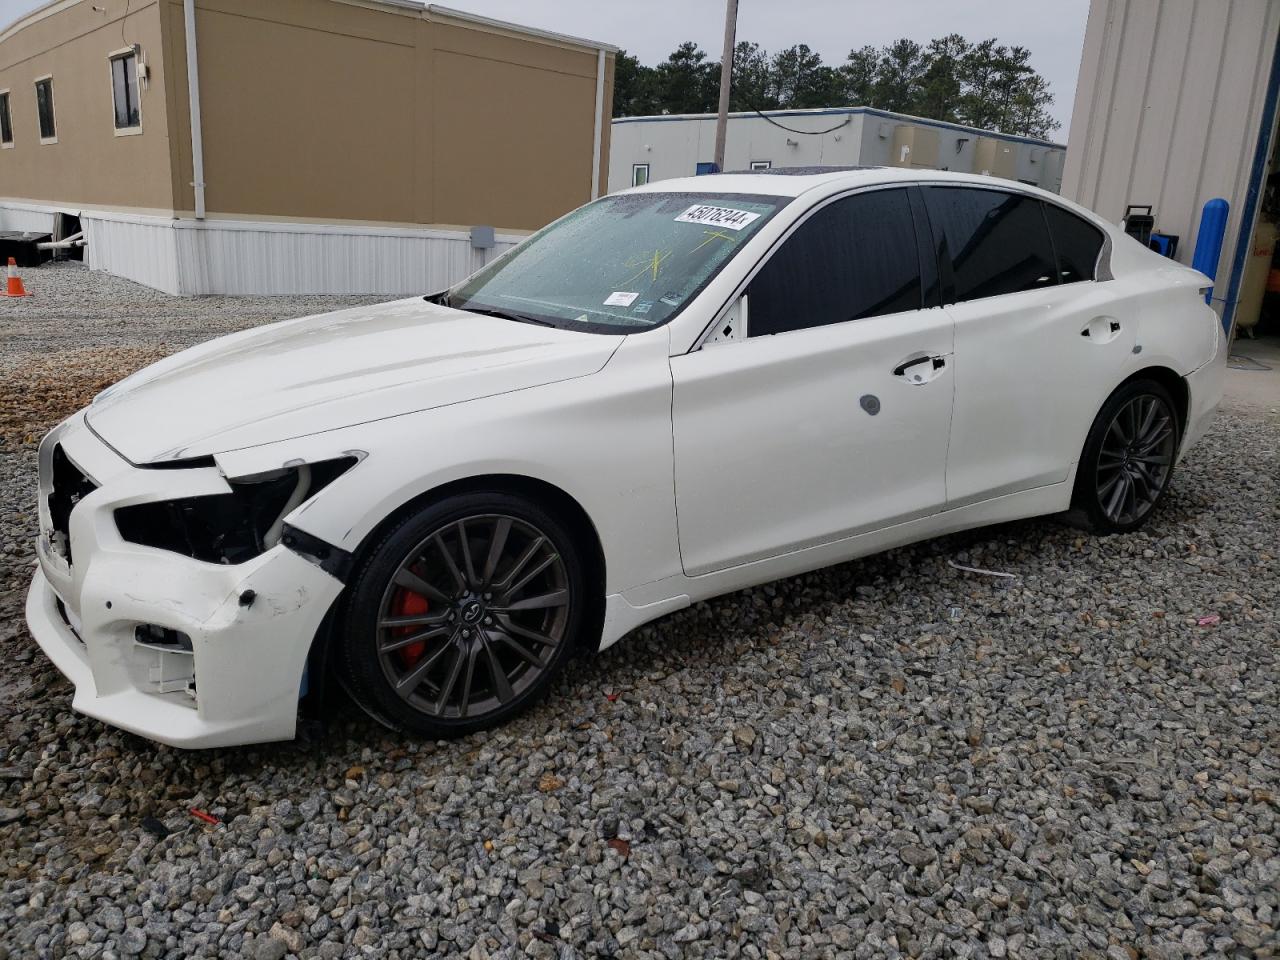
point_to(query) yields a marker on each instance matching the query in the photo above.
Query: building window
(639, 174)
(6, 122)
(761, 164)
(44, 109)
(124, 90)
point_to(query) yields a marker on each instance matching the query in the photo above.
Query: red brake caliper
(406, 603)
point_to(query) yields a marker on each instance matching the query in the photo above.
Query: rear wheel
(1128, 457)
(462, 616)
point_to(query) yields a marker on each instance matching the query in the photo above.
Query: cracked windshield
(620, 264)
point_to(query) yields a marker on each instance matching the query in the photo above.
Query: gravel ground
(888, 758)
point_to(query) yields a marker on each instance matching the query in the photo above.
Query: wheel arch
(1172, 381)
(546, 495)
(1168, 378)
(1178, 390)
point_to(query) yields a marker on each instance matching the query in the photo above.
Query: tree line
(985, 84)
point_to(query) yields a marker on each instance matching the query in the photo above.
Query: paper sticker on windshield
(620, 298)
(725, 217)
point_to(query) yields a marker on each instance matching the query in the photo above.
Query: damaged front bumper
(221, 652)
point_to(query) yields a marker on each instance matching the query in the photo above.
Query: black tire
(419, 571)
(1128, 459)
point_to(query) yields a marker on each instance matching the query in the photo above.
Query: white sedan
(668, 394)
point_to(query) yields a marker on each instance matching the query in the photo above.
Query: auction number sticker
(620, 298)
(718, 216)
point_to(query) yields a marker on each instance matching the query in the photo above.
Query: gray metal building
(1176, 105)
(643, 149)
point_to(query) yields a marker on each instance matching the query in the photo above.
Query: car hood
(334, 370)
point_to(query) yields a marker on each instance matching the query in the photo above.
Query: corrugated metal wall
(262, 258)
(186, 258)
(22, 216)
(137, 248)
(1168, 111)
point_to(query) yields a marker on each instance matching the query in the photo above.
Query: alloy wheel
(473, 616)
(1135, 459)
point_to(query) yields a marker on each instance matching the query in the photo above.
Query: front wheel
(1128, 457)
(462, 615)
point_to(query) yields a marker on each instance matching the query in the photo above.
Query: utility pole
(726, 77)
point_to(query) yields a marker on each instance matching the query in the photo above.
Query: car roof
(794, 181)
(809, 171)
(827, 181)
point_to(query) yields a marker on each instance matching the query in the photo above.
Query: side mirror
(731, 325)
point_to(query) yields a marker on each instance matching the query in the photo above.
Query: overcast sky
(1054, 33)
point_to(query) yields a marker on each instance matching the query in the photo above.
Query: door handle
(920, 370)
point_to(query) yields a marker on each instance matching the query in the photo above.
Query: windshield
(619, 265)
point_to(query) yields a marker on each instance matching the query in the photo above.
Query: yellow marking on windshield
(712, 235)
(651, 265)
(657, 262)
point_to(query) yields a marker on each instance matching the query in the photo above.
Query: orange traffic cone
(15, 288)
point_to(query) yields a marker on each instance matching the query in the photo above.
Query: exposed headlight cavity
(229, 527)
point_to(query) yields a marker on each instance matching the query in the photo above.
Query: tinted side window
(997, 242)
(854, 258)
(1076, 242)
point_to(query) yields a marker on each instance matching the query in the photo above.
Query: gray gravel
(72, 307)
(888, 758)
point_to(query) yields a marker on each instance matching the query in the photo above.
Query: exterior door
(1037, 347)
(832, 417)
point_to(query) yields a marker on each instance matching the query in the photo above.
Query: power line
(808, 133)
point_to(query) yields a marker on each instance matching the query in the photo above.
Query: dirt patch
(40, 389)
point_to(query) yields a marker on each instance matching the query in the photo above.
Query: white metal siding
(21, 216)
(249, 258)
(1168, 111)
(136, 248)
(186, 257)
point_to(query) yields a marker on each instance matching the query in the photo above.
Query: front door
(832, 417)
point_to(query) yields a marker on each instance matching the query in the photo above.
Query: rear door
(1037, 346)
(831, 418)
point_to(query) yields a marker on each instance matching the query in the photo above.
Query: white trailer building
(644, 149)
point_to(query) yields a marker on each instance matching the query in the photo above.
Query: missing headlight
(228, 527)
(162, 638)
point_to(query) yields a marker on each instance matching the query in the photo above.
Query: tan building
(308, 146)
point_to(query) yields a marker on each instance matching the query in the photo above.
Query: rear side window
(1076, 242)
(854, 258)
(995, 242)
